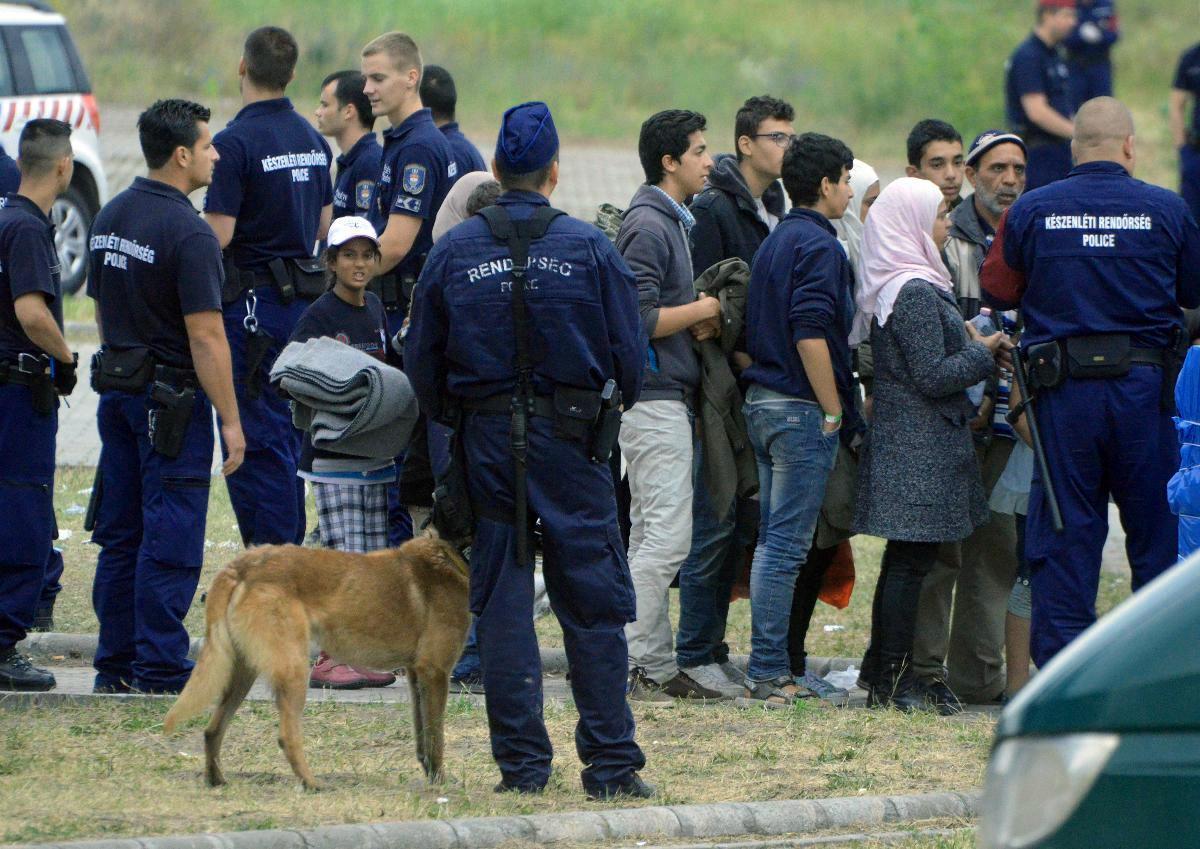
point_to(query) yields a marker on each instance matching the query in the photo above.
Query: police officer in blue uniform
(1100, 264)
(344, 113)
(36, 367)
(10, 174)
(418, 170)
(1039, 102)
(1089, 50)
(439, 93)
(462, 353)
(1185, 92)
(269, 203)
(164, 365)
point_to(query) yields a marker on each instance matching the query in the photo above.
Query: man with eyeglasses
(740, 205)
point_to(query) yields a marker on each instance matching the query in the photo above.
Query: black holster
(452, 514)
(608, 424)
(32, 370)
(258, 343)
(169, 420)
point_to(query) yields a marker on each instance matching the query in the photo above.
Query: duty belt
(176, 376)
(15, 373)
(543, 405)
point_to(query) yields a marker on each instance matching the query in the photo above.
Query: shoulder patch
(452, 171)
(362, 194)
(413, 180)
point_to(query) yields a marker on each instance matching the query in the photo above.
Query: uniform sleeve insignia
(452, 171)
(414, 179)
(404, 203)
(362, 194)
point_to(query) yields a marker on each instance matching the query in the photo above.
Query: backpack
(608, 219)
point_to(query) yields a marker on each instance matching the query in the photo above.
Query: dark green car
(1102, 748)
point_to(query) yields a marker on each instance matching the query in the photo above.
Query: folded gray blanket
(347, 400)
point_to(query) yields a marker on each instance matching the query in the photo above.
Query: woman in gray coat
(918, 483)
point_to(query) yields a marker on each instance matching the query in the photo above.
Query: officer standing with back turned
(1100, 264)
(270, 201)
(36, 367)
(525, 336)
(156, 274)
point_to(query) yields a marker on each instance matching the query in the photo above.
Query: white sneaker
(712, 677)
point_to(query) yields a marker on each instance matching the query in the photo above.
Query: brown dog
(401, 607)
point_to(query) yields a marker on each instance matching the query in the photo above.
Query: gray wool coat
(918, 478)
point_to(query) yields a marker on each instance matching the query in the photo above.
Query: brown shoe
(683, 686)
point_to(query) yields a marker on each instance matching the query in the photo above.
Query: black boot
(17, 673)
(939, 696)
(43, 620)
(897, 687)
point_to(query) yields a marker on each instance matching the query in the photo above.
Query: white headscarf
(862, 177)
(453, 210)
(898, 245)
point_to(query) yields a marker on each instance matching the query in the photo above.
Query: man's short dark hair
(810, 158)
(530, 181)
(482, 196)
(929, 130)
(168, 125)
(44, 141)
(349, 92)
(666, 134)
(270, 54)
(438, 92)
(756, 110)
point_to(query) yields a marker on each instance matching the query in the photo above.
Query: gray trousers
(960, 616)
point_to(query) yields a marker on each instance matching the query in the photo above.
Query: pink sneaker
(376, 679)
(327, 672)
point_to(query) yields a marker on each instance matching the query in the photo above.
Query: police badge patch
(362, 194)
(414, 179)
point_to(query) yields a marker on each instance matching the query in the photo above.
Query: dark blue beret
(528, 140)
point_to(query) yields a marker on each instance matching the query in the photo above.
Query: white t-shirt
(768, 219)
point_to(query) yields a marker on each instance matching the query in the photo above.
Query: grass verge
(111, 773)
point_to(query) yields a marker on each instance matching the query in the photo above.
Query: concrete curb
(798, 816)
(554, 661)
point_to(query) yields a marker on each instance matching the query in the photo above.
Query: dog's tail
(214, 668)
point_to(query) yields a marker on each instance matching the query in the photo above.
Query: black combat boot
(17, 673)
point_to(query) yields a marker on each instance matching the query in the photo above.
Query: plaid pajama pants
(352, 517)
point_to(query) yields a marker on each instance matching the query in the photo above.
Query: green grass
(864, 70)
(847, 637)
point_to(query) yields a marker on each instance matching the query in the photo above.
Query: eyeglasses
(781, 139)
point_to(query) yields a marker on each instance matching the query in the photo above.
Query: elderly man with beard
(964, 655)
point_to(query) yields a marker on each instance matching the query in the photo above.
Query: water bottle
(986, 325)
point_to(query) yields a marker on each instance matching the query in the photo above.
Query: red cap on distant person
(1057, 4)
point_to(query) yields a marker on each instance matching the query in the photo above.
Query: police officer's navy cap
(1057, 4)
(528, 140)
(988, 139)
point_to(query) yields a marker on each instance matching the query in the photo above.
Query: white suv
(41, 77)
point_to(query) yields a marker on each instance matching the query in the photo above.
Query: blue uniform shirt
(153, 261)
(10, 174)
(465, 153)
(28, 263)
(357, 171)
(1102, 13)
(1098, 252)
(273, 176)
(1036, 68)
(800, 288)
(582, 303)
(418, 170)
(1187, 78)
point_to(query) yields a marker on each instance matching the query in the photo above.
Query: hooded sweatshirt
(655, 246)
(728, 223)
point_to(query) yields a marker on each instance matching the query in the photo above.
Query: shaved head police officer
(1100, 264)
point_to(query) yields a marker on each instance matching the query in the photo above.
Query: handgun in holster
(170, 419)
(452, 513)
(41, 387)
(608, 423)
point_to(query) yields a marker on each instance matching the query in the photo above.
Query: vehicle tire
(72, 218)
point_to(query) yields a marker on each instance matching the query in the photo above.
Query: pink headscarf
(898, 245)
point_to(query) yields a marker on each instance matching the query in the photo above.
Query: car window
(49, 62)
(6, 80)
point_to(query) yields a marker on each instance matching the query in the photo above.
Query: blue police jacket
(154, 260)
(466, 154)
(357, 170)
(273, 177)
(1103, 14)
(10, 174)
(1098, 252)
(582, 303)
(28, 263)
(418, 170)
(1036, 68)
(800, 288)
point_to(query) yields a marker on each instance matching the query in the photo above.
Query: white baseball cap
(350, 227)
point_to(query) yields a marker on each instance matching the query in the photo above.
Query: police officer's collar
(16, 201)
(157, 187)
(516, 196)
(264, 107)
(421, 116)
(356, 149)
(803, 212)
(449, 127)
(1100, 167)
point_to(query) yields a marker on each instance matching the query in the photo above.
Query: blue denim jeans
(794, 458)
